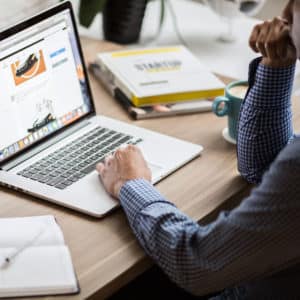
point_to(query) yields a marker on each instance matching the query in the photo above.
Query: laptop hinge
(35, 150)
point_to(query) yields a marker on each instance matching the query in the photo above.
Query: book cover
(159, 75)
(152, 111)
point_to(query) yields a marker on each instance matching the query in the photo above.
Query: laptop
(51, 138)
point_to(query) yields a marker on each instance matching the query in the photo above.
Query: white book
(151, 111)
(159, 75)
(34, 259)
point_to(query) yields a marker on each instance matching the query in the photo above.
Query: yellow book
(159, 75)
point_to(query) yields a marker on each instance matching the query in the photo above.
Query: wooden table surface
(105, 253)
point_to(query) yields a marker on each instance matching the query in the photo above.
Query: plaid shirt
(265, 124)
(261, 237)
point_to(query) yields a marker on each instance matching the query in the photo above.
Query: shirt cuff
(137, 194)
(272, 86)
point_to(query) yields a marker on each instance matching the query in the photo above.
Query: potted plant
(122, 20)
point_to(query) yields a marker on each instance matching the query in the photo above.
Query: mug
(235, 93)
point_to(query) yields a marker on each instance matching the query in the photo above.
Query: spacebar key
(90, 168)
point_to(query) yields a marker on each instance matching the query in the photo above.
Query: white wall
(13, 11)
(272, 8)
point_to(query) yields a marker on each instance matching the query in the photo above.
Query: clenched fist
(272, 39)
(126, 164)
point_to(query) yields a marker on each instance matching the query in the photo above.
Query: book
(153, 111)
(34, 259)
(159, 75)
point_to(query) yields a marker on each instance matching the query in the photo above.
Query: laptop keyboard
(77, 159)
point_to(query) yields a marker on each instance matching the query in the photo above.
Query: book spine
(113, 90)
(177, 97)
(114, 79)
(125, 102)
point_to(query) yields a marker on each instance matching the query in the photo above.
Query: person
(251, 252)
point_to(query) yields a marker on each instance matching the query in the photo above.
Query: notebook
(159, 75)
(34, 259)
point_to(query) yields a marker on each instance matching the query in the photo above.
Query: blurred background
(218, 39)
(12, 10)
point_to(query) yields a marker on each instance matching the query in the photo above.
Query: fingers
(261, 42)
(108, 159)
(126, 164)
(120, 152)
(100, 168)
(127, 149)
(254, 37)
(271, 39)
(282, 48)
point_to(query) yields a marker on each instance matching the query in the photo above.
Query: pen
(7, 259)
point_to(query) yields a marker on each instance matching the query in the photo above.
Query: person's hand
(272, 39)
(126, 164)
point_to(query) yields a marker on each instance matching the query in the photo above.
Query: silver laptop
(51, 138)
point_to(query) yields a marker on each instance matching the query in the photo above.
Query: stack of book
(155, 82)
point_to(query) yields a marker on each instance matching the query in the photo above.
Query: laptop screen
(42, 83)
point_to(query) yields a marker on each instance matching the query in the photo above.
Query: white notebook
(34, 259)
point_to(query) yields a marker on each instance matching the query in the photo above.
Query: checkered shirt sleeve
(241, 245)
(265, 124)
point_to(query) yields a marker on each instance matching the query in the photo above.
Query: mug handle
(217, 102)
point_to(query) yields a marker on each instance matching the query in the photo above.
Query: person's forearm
(206, 259)
(265, 124)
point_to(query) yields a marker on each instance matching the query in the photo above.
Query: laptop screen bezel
(29, 23)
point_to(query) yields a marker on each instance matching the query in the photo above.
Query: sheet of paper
(15, 232)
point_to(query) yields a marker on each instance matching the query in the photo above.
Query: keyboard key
(69, 173)
(64, 175)
(89, 160)
(34, 177)
(55, 181)
(83, 165)
(90, 168)
(60, 186)
(64, 167)
(43, 179)
(96, 157)
(67, 182)
(73, 178)
(75, 169)
(80, 175)
(125, 139)
(25, 174)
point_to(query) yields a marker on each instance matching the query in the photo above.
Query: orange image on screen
(30, 68)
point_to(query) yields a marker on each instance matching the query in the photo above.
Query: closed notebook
(159, 75)
(43, 265)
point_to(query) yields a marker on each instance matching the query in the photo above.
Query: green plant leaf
(162, 12)
(88, 9)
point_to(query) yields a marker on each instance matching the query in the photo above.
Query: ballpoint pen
(7, 259)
